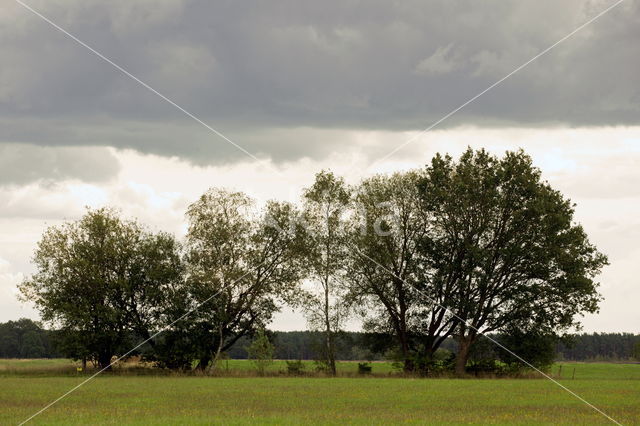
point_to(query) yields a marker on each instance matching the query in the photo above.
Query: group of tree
(455, 250)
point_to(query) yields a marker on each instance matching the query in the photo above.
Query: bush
(295, 367)
(538, 349)
(364, 368)
(486, 366)
(260, 351)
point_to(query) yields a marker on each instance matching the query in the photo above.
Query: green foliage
(260, 351)
(174, 349)
(100, 280)
(296, 367)
(25, 338)
(364, 368)
(240, 263)
(506, 243)
(538, 349)
(387, 270)
(597, 346)
(636, 351)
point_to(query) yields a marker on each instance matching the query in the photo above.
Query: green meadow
(121, 398)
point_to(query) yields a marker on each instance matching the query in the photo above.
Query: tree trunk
(331, 362)
(428, 360)
(84, 363)
(219, 350)
(401, 329)
(330, 355)
(409, 364)
(104, 361)
(203, 363)
(464, 346)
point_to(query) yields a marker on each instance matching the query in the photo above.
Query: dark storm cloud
(250, 68)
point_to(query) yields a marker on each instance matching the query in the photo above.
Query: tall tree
(240, 262)
(509, 240)
(99, 281)
(388, 276)
(325, 204)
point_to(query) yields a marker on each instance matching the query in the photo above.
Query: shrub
(261, 351)
(295, 367)
(364, 368)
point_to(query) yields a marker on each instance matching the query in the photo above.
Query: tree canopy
(100, 280)
(387, 275)
(518, 258)
(239, 264)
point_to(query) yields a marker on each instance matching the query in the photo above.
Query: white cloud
(8, 280)
(10, 307)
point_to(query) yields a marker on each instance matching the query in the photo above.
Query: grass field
(130, 399)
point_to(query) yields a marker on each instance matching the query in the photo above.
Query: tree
(100, 281)
(260, 351)
(636, 351)
(325, 203)
(510, 242)
(387, 271)
(239, 264)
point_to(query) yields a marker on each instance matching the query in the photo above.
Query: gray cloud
(250, 69)
(21, 164)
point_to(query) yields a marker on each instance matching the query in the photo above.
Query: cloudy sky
(302, 86)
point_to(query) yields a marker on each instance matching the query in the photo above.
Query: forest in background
(25, 338)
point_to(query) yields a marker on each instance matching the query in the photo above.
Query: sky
(296, 87)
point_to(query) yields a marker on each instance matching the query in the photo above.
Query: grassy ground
(280, 366)
(235, 367)
(36, 366)
(615, 388)
(232, 367)
(597, 370)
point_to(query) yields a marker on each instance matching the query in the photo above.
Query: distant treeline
(599, 346)
(25, 338)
